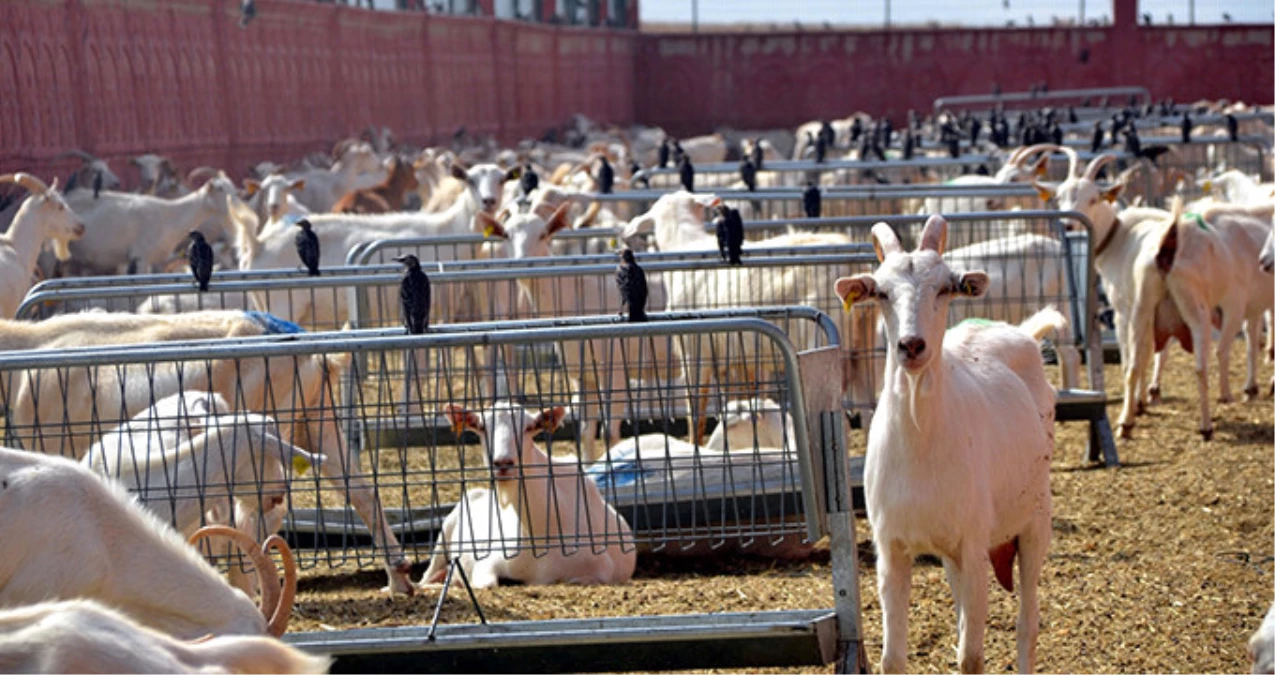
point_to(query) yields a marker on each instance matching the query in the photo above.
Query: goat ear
(459, 172)
(548, 420)
(251, 186)
(491, 226)
(1045, 191)
(1041, 167)
(514, 173)
(970, 284)
(462, 419)
(934, 236)
(298, 184)
(855, 288)
(1113, 192)
(641, 224)
(885, 241)
(558, 221)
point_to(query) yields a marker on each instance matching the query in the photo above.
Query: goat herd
(96, 578)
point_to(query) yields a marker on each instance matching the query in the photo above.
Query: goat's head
(529, 234)
(755, 423)
(507, 431)
(1083, 193)
(90, 168)
(485, 183)
(913, 291)
(670, 215)
(60, 224)
(154, 171)
(274, 193)
(1019, 169)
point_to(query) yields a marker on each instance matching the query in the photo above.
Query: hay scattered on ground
(1163, 565)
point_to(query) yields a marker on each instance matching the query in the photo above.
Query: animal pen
(403, 482)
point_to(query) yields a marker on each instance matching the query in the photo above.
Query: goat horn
(1072, 158)
(279, 620)
(1091, 172)
(26, 180)
(267, 574)
(1027, 152)
(76, 152)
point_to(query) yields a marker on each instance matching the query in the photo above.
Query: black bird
(983, 170)
(1153, 152)
(662, 156)
(308, 247)
(1232, 128)
(1186, 128)
(758, 156)
(414, 295)
(200, 257)
(821, 149)
(637, 178)
(687, 172)
(678, 153)
(97, 184)
(528, 180)
(812, 200)
(1096, 143)
(247, 12)
(1132, 144)
(828, 134)
(632, 282)
(954, 147)
(976, 127)
(856, 129)
(1056, 134)
(1071, 114)
(730, 234)
(748, 173)
(606, 176)
(887, 132)
(909, 144)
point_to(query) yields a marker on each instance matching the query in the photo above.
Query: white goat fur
(358, 167)
(44, 217)
(959, 451)
(85, 636)
(538, 524)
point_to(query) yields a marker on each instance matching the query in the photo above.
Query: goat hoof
(1250, 393)
(1207, 434)
(1228, 398)
(1154, 394)
(1126, 431)
(1139, 408)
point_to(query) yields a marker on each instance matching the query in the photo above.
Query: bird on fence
(812, 200)
(638, 178)
(828, 134)
(1056, 134)
(678, 152)
(247, 12)
(748, 174)
(687, 173)
(1132, 144)
(632, 282)
(887, 132)
(909, 144)
(976, 127)
(730, 234)
(856, 129)
(199, 255)
(307, 247)
(97, 184)
(414, 295)
(606, 176)
(1095, 144)
(528, 180)
(662, 155)
(1232, 128)
(821, 149)
(1071, 115)
(1187, 125)
(758, 156)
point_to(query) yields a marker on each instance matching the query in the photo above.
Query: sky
(969, 12)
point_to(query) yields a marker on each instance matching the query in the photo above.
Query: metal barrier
(1117, 98)
(779, 484)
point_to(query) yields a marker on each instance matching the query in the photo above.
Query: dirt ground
(1162, 565)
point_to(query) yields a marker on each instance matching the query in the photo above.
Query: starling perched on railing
(758, 155)
(1232, 128)
(662, 155)
(821, 149)
(812, 200)
(200, 257)
(606, 176)
(687, 172)
(1095, 144)
(730, 235)
(414, 295)
(528, 180)
(909, 144)
(632, 282)
(308, 247)
(748, 173)
(638, 179)
(1187, 125)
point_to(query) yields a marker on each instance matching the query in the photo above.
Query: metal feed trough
(677, 498)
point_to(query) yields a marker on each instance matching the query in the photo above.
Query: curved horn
(278, 624)
(1072, 158)
(1097, 163)
(26, 180)
(267, 574)
(1016, 157)
(76, 152)
(1027, 152)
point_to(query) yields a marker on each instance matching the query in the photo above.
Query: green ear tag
(1199, 220)
(300, 464)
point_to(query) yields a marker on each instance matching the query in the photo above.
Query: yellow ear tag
(488, 231)
(847, 302)
(614, 243)
(458, 429)
(300, 464)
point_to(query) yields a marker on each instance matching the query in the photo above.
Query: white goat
(85, 537)
(755, 424)
(1016, 169)
(1261, 646)
(959, 451)
(85, 636)
(158, 177)
(43, 218)
(543, 522)
(274, 197)
(128, 233)
(356, 167)
(59, 411)
(1238, 187)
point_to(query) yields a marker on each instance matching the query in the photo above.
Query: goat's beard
(61, 250)
(919, 385)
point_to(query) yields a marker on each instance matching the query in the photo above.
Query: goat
(44, 217)
(541, 523)
(356, 167)
(85, 537)
(274, 197)
(959, 450)
(298, 392)
(159, 177)
(385, 197)
(93, 175)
